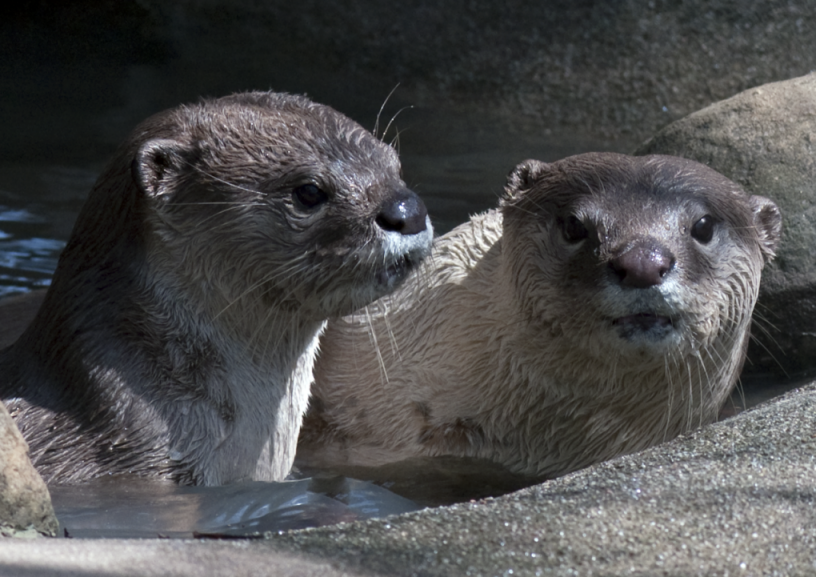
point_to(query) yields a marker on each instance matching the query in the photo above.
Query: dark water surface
(122, 507)
(38, 205)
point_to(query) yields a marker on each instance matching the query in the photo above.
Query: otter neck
(213, 391)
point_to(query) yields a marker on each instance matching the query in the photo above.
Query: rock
(732, 498)
(765, 139)
(616, 70)
(154, 558)
(25, 505)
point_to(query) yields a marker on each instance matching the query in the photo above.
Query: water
(133, 507)
(130, 507)
(38, 205)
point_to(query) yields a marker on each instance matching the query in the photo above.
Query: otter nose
(643, 265)
(403, 212)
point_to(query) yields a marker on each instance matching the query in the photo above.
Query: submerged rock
(765, 139)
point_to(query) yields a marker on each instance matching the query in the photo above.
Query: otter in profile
(605, 307)
(178, 336)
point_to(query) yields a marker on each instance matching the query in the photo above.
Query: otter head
(275, 198)
(636, 257)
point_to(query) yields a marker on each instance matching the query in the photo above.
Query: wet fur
(179, 333)
(501, 347)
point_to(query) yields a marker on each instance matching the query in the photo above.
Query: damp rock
(25, 504)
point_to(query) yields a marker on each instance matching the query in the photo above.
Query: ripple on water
(130, 507)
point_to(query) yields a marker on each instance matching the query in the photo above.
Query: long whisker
(220, 180)
(291, 266)
(393, 118)
(379, 114)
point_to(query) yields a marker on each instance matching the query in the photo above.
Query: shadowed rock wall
(618, 70)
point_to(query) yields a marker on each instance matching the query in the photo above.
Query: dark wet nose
(643, 265)
(403, 212)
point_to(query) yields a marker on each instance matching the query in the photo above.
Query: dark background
(611, 72)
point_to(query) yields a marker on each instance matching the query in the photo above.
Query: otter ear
(155, 162)
(768, 222)
(523, 177)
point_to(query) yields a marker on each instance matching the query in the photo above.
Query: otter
(603, 308)
(178, 335)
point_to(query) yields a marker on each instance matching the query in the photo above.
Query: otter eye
(309, 196)
(573, 229)
(703, 230)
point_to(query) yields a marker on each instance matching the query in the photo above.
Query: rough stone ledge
(733, 498)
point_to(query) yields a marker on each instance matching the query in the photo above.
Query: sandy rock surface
(734, 498)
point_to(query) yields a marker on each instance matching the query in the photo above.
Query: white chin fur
(413, 246)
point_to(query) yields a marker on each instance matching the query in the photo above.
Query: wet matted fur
(605, 307)
(178, 336)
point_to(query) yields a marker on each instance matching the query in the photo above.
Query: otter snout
(643, 264)
(403, 212)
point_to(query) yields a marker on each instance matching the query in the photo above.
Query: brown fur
(590, 316)
(178, 336)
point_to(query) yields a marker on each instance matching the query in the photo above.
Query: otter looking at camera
(604, 308)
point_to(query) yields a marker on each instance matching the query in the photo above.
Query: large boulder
(25, 505)
(765, 139)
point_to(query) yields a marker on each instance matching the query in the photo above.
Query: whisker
(393, 118)
(220, 180)
(374, 342)
(291, 266)
(379, 114)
